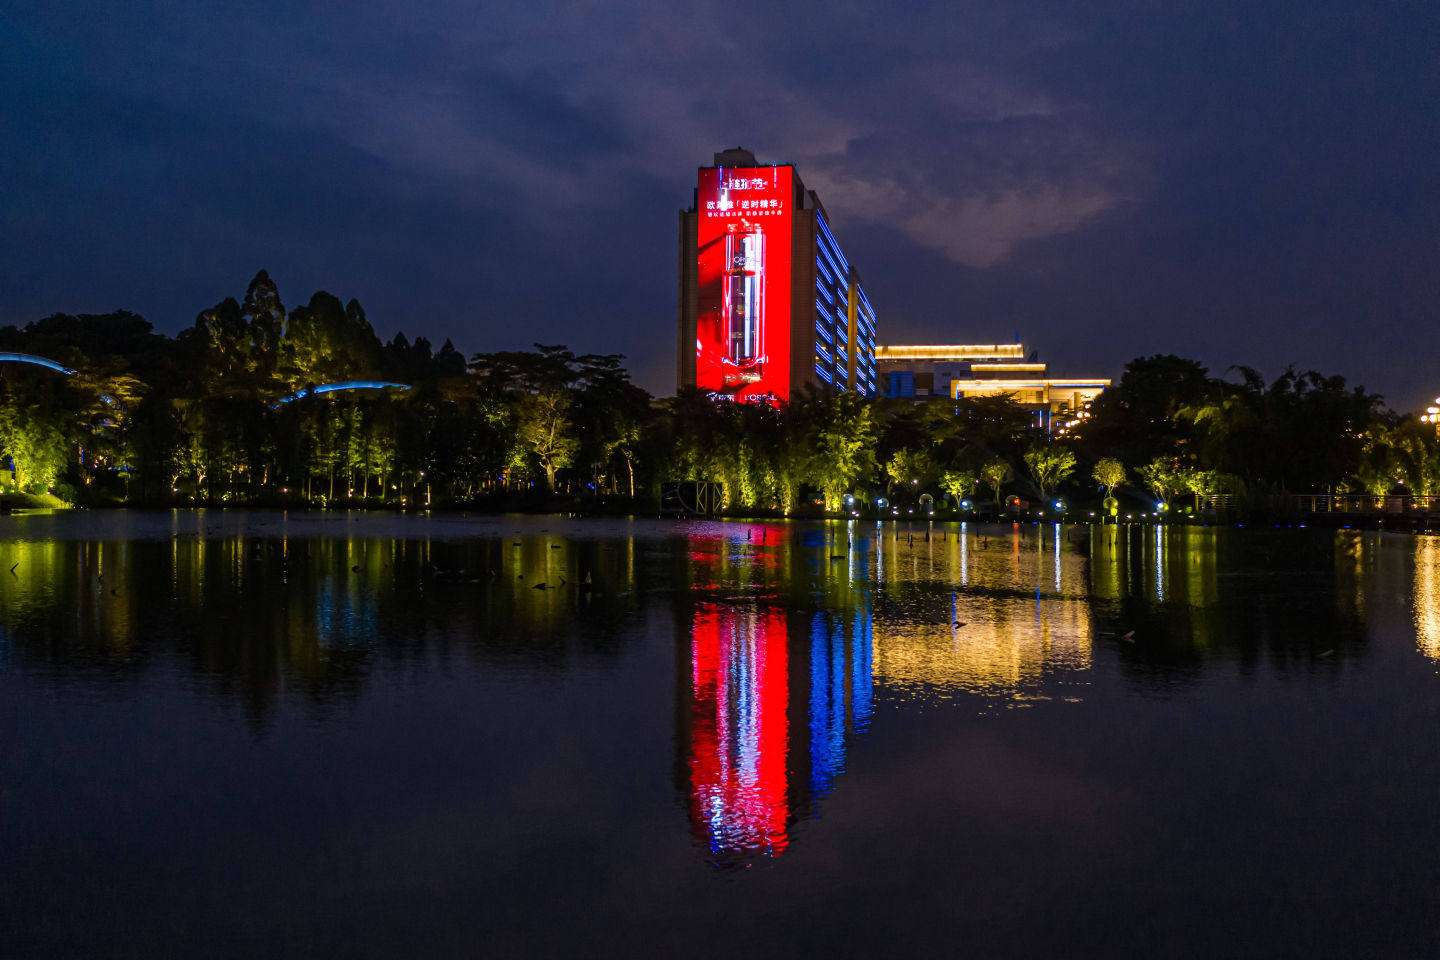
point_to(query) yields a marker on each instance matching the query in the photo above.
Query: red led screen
(743, 330)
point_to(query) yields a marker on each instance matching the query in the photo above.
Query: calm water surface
(376, 736)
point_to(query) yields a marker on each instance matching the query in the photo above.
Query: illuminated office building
(987, 370)
(768, 302)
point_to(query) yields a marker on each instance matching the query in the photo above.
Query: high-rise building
(769, 304)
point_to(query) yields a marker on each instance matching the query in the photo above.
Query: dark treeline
(204, 417)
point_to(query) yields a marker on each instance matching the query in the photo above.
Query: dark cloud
(1236, 182)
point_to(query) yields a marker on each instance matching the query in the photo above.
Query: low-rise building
(987, 370)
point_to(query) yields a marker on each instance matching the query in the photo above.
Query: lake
(350, 735)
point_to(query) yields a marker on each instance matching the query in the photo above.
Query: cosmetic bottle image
(742, 302)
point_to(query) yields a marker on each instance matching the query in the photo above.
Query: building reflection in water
(774, 693)
(1002, 616)
(740, 728)
(785, 668)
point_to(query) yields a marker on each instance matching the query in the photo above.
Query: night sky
(1242, 183)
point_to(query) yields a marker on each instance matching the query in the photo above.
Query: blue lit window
(824, 374)
(824, 331)
(825, 269)
(825, 229)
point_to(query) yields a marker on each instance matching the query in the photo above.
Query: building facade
(768, 302)
(987, 370)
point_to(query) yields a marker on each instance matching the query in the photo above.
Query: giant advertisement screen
(743, 277)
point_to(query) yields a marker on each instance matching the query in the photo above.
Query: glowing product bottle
(743, 299)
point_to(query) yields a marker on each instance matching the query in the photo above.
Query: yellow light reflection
(1026, 624)
(1427, 596)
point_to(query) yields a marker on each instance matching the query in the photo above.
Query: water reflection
(256, 618)
(780, 646)
(1427, 595)
(791, 640)
(998, 612)
(739, 728)
(1177, 596)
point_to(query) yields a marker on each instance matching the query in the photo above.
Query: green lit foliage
(199, 413)
(1160, 478)
(625, 442)
(959, 484)
(842, 433)
(1109, 473)
(325, 343)
(32, 432)
(1049, 465)
(603, 410)
(546, 427)
(1200, 483)
(911, 469)
(1416, 452)
(996, 473)
(1378, 466)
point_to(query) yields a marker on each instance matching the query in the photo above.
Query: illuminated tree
(959, 484)
(32, 435)
(325, 342)
(1201, 483)
(546, 428)
(996, 473)
(911, 469)
(626, 443)
(1417, 454)
(842, 439)
(1049, 465)
(1109, 473)
(1160, 478)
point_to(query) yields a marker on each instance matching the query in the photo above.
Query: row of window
(825, 232)
(832, 323)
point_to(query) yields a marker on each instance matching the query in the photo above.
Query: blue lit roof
(38, 361)
(347, 385)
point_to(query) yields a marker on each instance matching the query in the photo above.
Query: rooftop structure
(981, 370)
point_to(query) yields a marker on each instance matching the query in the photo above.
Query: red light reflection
(739, 731)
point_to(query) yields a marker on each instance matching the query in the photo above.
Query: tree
(842, 444)
(1049, 465)
(1417, 453)
(265, 314)
(325, 342)
(995, 473)
(1159, 477)
(1136, 419)
(958, 483)
(910, 468)
(546, 428)
(1109, 473)
(32, 435)
(1201, 483)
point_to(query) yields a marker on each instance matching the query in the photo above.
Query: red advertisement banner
(743, 274)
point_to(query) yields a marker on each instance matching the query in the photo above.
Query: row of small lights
(1431, 414)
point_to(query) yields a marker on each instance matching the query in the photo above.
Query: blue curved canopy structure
(347, 385)
(6, 357)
